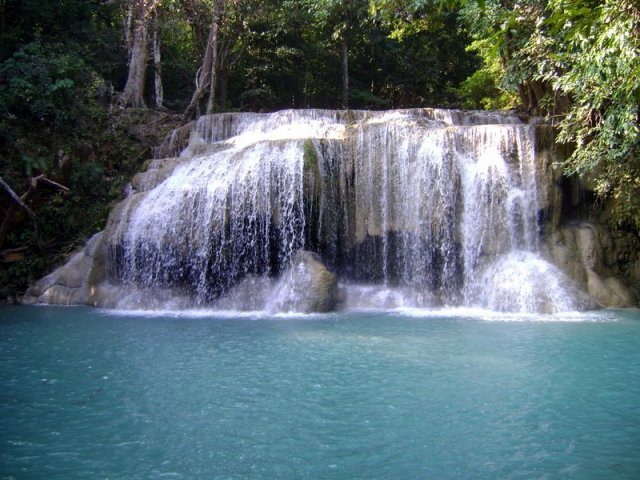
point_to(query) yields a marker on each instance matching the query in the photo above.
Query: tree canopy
(578, 63)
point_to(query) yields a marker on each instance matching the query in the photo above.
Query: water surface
(88, 393)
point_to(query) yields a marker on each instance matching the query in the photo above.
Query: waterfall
(421, 207)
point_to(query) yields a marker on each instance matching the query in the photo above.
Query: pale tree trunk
(224, 73)
(133, 95)
(206, 76)
(157, 64)
(202, 83)
(128, 27)
(213, 77)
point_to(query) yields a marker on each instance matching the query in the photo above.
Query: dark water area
(88, 393)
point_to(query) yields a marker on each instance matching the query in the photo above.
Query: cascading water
(408, 208)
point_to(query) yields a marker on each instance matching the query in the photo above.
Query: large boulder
(75, 282)
(306, 286)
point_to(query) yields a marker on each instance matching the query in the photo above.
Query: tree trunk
(224, 68)
(346, 15)
(523, 93)
(224, 86)
(214, 58)
(133, 95)
(206, 71)
(157, 64)
(344, 54)
(202, 82)
(128, 27)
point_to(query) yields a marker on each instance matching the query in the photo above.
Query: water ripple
(88, 394)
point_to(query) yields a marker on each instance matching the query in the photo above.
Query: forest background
(88, 87)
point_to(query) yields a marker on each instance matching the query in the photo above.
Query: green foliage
(289, 55)
(181, 55)
(597, 66)
(405, 19)
(576, 61)
(90, 27)
(48, 87)
(481, 91)
(31, 164)
(309, 155)
(58, 60)
(16, 276)
(49, 113)
(500, 32)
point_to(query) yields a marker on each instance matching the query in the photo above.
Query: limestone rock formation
(430, 207)
(588, 253)
(73, 283)
(306, 286)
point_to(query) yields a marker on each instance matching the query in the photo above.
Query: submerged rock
(367, 296)
(306, 286)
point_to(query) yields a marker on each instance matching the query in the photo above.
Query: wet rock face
(73, 283)
(419, 200)
(589, 254)
(306, 286)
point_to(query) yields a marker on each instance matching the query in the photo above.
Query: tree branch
(20, 201)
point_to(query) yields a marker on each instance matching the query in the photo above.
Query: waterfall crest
(421, 207)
